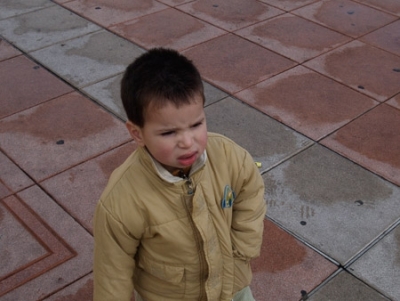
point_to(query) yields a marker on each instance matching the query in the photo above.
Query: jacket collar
(166, 175)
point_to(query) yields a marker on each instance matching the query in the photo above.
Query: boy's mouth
(187, 160)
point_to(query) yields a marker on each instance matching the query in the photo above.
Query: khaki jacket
(179, 239)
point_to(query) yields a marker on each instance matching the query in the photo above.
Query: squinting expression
(175, 137)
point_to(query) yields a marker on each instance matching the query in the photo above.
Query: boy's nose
(186, 140)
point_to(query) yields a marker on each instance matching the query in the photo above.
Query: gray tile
(330, 202)
(345, 287)
(90, 58)
(268, 141)
(10, 8)
(44, 27)
(212, 94)
(380, 266)
(107, 93)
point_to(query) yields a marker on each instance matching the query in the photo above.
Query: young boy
(181, 218)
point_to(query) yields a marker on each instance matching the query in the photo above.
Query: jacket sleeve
(114, 252)
(249, 209)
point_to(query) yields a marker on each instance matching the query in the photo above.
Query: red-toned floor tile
(27, 85)
(373, 141)
(387, 38)
(82, 290)
(288, 5)
(345, 16)
(230, 15)
(57, 250)
(12, 179)
(58, 134)
(157, 30)
(365, 68)
(390, 6)
(7, 51)
(293, 99)
(395, 101)
(108, 13)
(174, 2)
(226, 62)
(307, 41)
(286, 267)
(86, 182)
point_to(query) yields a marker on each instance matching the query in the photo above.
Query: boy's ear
(136, 132)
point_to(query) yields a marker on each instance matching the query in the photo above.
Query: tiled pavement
(310, 87)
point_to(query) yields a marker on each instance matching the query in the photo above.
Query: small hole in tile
(396, 69)
(60, 142)
(361, 87)
(359, 202)
(36, 67)
(303, 223)
(97, 7)
(215, 5)
(350, 12)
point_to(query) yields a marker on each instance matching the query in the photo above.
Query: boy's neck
(181, 172)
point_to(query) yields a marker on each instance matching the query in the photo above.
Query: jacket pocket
(161, 279)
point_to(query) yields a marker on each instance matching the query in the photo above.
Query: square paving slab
(107, 13)
(387, 38)
(58, 134)
(90, 58)
(345, 287)
(373, 141)
(307, 41)
(347, 17)
(390, 6)
(44, 27)
(28, 84)
(380, 266)
(286, 268)
(225, 62)
(230, 15)
(78, 189)
(288, 5)
(10, 8)
(268, 141)
(60, 251)
(157, 30)
(7, 51)
(330, 202)
(364, 68)
(307, 101)
(12, 178)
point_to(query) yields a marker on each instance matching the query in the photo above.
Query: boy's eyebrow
(168, 129)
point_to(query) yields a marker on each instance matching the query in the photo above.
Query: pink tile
(286, 267)
(395, 101)
(174, 2)
(107, 13)
(12, 179)
(68, 246)
(345, 16)
(373, 141)
(44, 250)
(288, 5)
(58, 134)
(86, 182)
(307, 41)
(292, 98)
(365, 68)
(387, 38)
(226, 63)
(230, 15)
(390, 6)
(7, 51)
(27, 85)
(157, 30)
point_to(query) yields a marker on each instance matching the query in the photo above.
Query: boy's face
(175, 137)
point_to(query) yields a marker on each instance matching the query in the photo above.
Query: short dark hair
(158, 76)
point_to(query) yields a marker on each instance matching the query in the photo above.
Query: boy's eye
(167, 133)
(197, 124)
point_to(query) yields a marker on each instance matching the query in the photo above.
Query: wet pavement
(311, 88)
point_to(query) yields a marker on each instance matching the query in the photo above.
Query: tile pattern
(333, 208)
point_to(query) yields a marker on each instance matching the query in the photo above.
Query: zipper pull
(189, 182)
